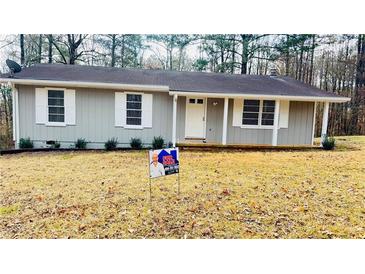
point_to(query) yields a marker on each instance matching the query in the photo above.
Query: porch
(217, 120)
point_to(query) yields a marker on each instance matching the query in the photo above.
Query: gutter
(264, 96)
(79, 84)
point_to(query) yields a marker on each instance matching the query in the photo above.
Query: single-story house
(67, 102)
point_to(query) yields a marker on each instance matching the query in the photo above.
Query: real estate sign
(163, 162)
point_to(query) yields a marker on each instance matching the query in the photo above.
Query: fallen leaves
(278, 194)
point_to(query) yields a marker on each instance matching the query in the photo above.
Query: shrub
(329, 143)
(25, 143)
(136, 143)
(56, 144)
(170, 145)
(111, 144)
(157, 142)
(80, 143)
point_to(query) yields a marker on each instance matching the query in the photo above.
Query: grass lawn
(225, 194)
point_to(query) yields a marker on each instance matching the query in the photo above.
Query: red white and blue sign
(163, 162)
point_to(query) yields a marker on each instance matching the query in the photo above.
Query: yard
(225, 194)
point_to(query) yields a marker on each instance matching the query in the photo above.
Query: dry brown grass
(255, 194)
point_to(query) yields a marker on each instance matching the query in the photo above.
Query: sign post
(163, 162)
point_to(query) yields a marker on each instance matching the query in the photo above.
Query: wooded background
(335, 63)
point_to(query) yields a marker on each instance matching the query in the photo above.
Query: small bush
(170, 145)
(329, 143)
(80, 143)
(111, 144)
(136, 143)
(56, 144)
(157, 142)
(25, 143)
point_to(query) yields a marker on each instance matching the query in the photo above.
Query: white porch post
(314, 122)
(225, 121)
(324, 121)
(274, 141)
(174, 112)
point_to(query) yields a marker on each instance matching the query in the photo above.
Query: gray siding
(299, 131)
(94, 119)
(237, 135)
(180, 119)
(214, 120)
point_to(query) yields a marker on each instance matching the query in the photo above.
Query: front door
(195, 118)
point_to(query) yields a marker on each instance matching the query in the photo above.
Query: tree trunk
(180, 58)
(40, 42)
(300, 63)
(287, 56)
(359, 91)
(50, 48)
(233, 53)
(22, 53)
(244, 60)
(113, 50)
(312, 59)
(122, 51)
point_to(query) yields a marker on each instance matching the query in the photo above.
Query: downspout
(13, 110)
(15, 114)
(17, 118)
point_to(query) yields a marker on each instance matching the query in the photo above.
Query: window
(196, 101)
(251, 110)
(56, 106)
(258, 113)
(134, 109)
(268, 111)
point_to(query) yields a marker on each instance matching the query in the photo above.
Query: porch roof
(173, 81)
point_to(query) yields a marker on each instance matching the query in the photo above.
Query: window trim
(56, 124)
(126, 126)
(259, 126)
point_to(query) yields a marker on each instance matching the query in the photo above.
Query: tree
(22, 51)
(358, 99)
(40, 43)
(5, 116)
(50, 48)
(69, 47)
(171, 43)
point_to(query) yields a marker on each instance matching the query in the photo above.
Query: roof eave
(334, 99)
(80, 84)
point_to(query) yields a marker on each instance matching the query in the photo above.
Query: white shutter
(237, 112)
(147, 110)
(41, 105)
(284, 114)
(70, 107)
(120, 109)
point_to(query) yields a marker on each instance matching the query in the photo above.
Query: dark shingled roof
(175, 80)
